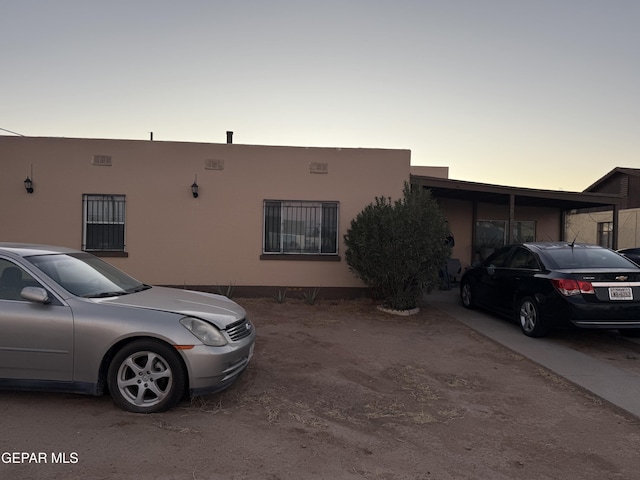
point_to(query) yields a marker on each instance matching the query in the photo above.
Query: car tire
(146, 376)
(529, 318)
(466, 295)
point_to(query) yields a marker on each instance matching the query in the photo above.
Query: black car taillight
(569, 287)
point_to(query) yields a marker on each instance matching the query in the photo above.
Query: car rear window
(587, 257)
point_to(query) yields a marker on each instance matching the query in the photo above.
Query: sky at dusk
(526, 93)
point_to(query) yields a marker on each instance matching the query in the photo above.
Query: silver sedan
(71, 322)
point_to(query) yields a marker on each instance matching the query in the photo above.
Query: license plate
(620, 293)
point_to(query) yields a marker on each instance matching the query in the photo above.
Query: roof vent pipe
(229, 137)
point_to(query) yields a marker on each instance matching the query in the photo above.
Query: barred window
(103, 223)
(300, 227)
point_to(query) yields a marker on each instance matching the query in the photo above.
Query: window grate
(301, 227)
(104, 223)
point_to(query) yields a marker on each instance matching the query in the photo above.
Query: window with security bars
(103, 222)
(605, 234)
(300, 227)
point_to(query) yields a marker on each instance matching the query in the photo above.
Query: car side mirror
(491, 269)
(35, 294)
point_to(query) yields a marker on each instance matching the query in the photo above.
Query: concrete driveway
(619, 386)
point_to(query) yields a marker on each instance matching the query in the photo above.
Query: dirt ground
(339, 390)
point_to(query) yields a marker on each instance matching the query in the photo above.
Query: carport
(515, 198)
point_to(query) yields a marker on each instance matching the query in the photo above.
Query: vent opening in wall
(214, 164)
(318, 167)
(101, 160)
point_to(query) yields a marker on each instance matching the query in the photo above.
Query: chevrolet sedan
(71, 322)
(553, 284)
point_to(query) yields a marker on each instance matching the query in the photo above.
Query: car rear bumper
(605, 315)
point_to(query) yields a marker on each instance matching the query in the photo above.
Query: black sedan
(554, 284)
(632, 254)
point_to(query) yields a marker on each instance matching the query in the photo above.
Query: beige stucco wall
(424, 171)
(459, 215)
(584, 226)
(629, 228)
(173, 238)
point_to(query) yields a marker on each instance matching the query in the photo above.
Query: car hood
(216, 309)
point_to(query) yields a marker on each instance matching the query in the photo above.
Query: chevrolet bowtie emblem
(622, 278)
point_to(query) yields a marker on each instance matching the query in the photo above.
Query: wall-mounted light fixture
(28, 185)
(194, 187)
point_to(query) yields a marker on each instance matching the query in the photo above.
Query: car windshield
(587, 257)
(85, 275)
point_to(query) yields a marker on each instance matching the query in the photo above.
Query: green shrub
(398, 248)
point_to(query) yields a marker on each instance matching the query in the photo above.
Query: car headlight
(204, 331)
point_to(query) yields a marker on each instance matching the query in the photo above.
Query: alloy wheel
(145, 379)
(529, 318)
(146, 376)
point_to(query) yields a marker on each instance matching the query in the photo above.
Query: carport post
(614, 227)
(512, 214)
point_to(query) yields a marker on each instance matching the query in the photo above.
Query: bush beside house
(398, 248)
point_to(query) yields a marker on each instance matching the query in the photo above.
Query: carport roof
(487, 193)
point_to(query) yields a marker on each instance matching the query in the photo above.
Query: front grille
(239, 330)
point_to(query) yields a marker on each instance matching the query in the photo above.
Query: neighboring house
(259, 218)
(265, 217)
(604, 226)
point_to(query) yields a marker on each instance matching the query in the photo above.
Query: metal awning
(487, 193)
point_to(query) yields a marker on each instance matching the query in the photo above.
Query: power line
(15, 133)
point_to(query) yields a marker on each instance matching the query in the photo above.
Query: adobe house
(198, 214)
(259, 218)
